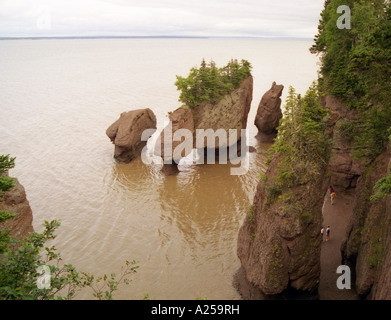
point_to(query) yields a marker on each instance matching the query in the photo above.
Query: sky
(220, 18)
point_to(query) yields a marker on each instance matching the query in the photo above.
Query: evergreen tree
(209, 83)
(356, 68)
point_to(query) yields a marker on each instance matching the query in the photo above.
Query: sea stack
(230, 112)
(126, 133)
(166, 145)
(269, 114)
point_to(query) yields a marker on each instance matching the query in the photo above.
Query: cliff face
(279, 244)
(344, 167)
(367, 247)
(15, 201)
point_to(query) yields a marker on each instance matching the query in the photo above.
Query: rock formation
(181, 118)
(279, 249)
(126, 133)
(15, 201)
(279, 243)
(345, 168)
(367, 247)
(269, 114)
(231, 112)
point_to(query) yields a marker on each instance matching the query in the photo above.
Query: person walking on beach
(322, 232)
(332, 194)
(328, 233)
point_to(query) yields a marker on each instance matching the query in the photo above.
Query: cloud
(167, 17)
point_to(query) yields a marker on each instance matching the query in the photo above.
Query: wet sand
(337, 217)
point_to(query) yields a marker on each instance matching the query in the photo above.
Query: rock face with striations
(345, 168)
(231, 112)
(279, 243)
(15, 201)
(269, 114)
(367, 246)
(126, 133)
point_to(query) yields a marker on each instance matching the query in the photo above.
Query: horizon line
(148, 37)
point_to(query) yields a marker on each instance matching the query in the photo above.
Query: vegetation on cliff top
(209, 83)
(302, 142)
(356, 68)
(6, 183)
(6, 163)
(382, 188)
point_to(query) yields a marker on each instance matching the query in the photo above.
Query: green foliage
(146, 296)
(356, 68)
(5, 215)
(19, 271)
(251, 213)
(6, 183)
(209, 83)
(6, 163)
(382, 188)
(347, 129)
(302, 141)
(377, 254)
(307, 217)
(273, 192)
(253, 236)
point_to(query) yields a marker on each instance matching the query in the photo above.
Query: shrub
(382, 188)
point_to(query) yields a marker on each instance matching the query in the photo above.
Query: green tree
(209, 83)
(356, 68)
(6, 163)
(302, 142)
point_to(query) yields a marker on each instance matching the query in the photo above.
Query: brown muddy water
(57, 97)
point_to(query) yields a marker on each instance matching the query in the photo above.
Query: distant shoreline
(146, 37)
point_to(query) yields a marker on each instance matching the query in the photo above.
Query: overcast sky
(253, 18)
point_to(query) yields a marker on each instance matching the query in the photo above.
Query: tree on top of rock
(209, 83)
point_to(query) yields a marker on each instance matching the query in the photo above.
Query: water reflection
(183, 228)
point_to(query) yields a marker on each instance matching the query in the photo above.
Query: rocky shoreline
(15, 201)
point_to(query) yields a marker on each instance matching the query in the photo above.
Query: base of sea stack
(248, 291)
(266, 138)
(170, 169)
